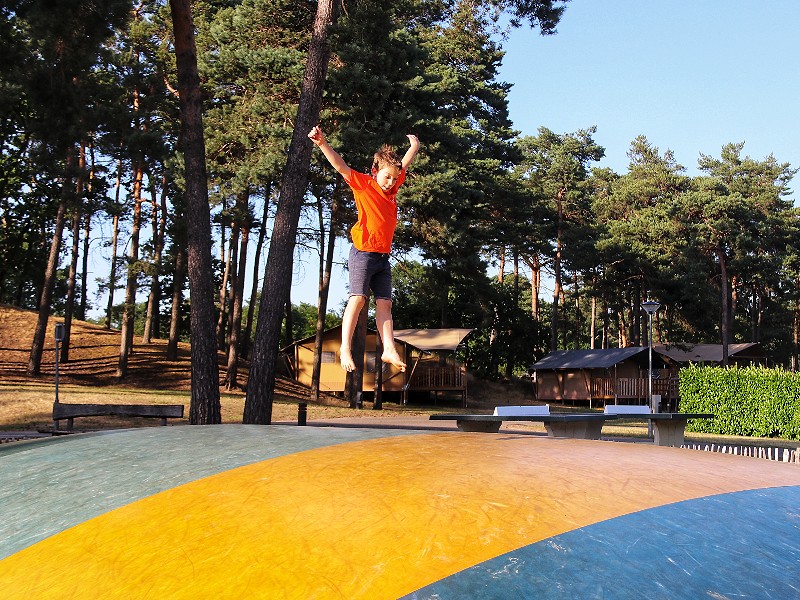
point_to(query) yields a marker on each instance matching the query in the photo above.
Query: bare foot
(393, 358)
(346, 360)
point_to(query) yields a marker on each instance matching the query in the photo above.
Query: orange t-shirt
(377, 213)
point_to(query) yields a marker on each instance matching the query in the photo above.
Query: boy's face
(386, 178)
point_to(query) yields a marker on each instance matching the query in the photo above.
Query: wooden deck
(436, 379)
(627, 390)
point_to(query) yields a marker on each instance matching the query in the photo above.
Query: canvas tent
(429, 354)
(430, 340)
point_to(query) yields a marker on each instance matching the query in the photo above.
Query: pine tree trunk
(535, 265)
(177, 300)
(112, 277)
(501, 267)
(87, 226)
(237, 287)
(69, 307)
(87, 230)
(129, 311)
(278, 276)
(159, 224)
(37, 347)
(262, 235)
(205, 405)
(223, 289)
(235, 247)
(72, 278)
(236, 311)
(325, 270)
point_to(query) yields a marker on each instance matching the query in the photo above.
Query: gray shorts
(370, 271)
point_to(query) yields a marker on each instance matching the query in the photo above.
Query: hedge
(747, 401)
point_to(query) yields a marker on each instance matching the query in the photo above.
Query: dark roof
(587, 359)
(710, 353)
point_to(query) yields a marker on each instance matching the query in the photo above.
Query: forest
(171, 138)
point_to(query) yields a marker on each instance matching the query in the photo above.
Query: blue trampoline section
(732, 546)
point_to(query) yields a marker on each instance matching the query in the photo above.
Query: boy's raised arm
(337, 162)
(411, 153)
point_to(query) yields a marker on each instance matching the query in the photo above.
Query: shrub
(748, 401)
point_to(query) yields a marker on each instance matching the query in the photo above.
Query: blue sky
(690, 76)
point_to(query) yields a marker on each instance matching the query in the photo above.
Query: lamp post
(59, 338)
(650, 307)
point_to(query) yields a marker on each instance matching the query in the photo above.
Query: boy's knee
(356, 300)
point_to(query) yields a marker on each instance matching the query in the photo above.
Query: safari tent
(429, 353)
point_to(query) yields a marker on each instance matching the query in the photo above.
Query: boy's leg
(358, 265)
(383, 319)
(349, 321)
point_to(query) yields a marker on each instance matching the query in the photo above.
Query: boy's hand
(413, 148)
(316, 135)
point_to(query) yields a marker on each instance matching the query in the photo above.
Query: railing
(633, 388)
(438, 378)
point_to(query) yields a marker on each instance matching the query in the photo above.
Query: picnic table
(668, 428)
(585, 426)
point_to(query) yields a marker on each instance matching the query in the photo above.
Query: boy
(372, 241)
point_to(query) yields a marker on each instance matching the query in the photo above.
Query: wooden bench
(157, 411)
(668, 428)
(586, 426)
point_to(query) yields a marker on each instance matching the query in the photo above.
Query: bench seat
(157, 411)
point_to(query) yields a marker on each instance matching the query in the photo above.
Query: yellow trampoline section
(377, 518)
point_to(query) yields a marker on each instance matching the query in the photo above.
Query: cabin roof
(604, 358)
(707, 353)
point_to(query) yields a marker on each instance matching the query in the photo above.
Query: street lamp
(650, 307)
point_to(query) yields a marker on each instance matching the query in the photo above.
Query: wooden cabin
(603, 376)
(429, 353)
(619, 375)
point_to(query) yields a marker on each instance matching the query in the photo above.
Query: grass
(29, 406)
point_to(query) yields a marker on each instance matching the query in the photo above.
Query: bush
(749, 401)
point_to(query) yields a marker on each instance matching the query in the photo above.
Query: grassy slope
(90, 376)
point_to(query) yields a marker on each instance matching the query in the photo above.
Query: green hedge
(749, 401)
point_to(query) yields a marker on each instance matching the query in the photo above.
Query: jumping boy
(372, 240)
